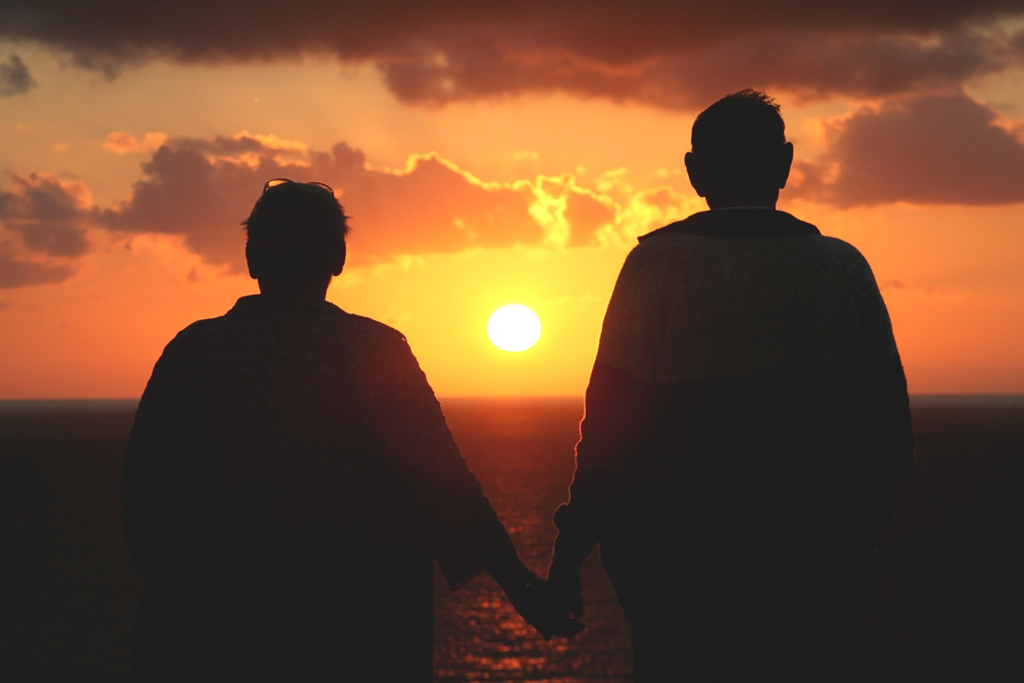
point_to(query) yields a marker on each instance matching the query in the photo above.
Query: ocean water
(948, 603)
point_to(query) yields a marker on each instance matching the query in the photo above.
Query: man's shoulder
(839, 247)
(377, 348)
(703, 230)
(370, 330)
(845, 258)
(202, 331)
(196, 333)
(338, 332)
(680, 252)
(188, 346)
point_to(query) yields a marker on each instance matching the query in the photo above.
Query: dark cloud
(20, 272)
(204, 188)
(810, 63)
(14, 77)
(42, 229)
(677, 54)
(47, 213)
(185, 194)
(927, 150)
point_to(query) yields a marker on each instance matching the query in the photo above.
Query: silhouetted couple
(291, 480)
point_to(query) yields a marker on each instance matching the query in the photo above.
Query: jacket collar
(257, 303)
(739, 222)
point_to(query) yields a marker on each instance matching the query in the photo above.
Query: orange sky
(121, 198)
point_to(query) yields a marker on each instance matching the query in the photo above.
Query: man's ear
(696, 174)
(338, 260)
(785, 164)
(251, 262)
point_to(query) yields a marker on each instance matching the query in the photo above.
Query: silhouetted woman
(290, 480)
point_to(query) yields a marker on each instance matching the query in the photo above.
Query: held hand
(564, 581)
(540, 606)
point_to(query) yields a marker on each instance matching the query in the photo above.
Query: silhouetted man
(290, 479)
(746, 425)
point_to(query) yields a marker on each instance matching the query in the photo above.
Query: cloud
(43, 219)
(125, 143)
(204, 188)
(678, 55)
(570, 214)
(810, 63)
(924, 150)
(14, 77)
(15, 272)
(47, 213)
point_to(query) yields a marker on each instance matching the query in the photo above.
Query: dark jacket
(289, 479)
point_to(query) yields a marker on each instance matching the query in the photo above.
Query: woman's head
(296, 234)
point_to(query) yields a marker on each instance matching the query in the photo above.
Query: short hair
(295, 230)
(738, 139)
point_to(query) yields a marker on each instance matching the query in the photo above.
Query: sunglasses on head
(284, 181)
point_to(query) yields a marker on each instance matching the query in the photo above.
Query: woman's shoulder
(368, 330)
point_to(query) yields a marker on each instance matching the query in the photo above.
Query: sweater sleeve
(152, 480)
(462, 530)
(619, 399)
(886, 401)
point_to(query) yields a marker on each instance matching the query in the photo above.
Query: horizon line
(925, 397)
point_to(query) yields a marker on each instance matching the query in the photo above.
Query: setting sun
(513, 328)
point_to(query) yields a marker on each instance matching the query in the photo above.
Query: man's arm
(888, 453)
(619, 399)
(149, 509)
(463, 531)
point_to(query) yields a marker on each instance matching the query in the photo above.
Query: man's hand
(564, 583)
(534, 599)
(543, 609)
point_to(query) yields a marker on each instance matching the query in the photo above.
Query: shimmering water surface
(522, 452)
(948, 599)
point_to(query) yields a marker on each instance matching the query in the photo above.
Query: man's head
(739, 151)
(296, 237)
